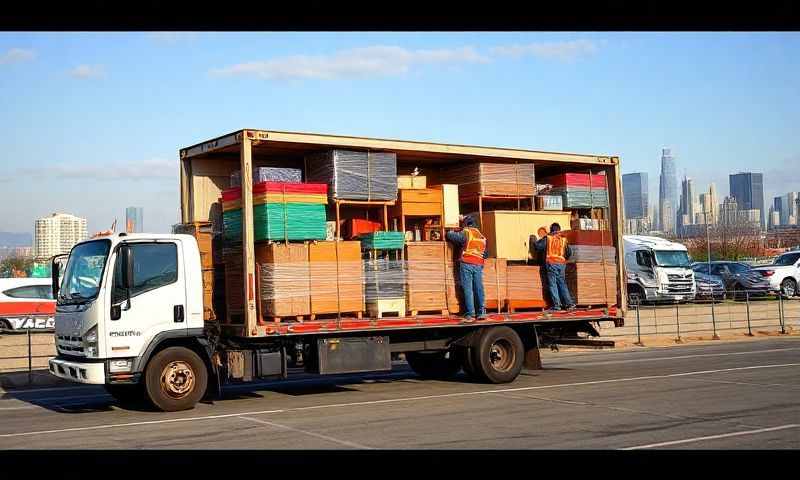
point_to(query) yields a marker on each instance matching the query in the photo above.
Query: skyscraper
(57, 234)
(687, 209)
(667, 192)
(133, 220)
(634, 191)
(747, 189)
(714, 210)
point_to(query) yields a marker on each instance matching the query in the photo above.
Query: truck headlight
(121, 365)
(90, 342)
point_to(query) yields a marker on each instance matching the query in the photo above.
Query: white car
(26, 303)
(783, 274)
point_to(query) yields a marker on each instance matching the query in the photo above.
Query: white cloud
(152, 169)
(88, 71)
(562, 51)
(370, 61)
(15, 55)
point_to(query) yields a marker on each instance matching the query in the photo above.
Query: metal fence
(746, 311)
(21, 351)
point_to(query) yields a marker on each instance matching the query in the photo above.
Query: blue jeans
(472, 285)
(557, 285)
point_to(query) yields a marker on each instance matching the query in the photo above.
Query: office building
(57, 234)
(634, 191)
(133, 220)
(667, 192)
(748, 190)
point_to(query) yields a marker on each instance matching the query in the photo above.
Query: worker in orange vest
(557, 252)
(473, 253)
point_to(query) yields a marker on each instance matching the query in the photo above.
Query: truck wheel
(433, 365)
(498, 355)
(175, 379)
(789, 288)
(126, 394)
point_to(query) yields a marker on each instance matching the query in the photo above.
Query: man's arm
(456, 237)
(568, 252)
(541, 244)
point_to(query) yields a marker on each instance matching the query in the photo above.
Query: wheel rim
(177, 379)
(502, 355)
(789, 289)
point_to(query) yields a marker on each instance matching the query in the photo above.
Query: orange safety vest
(473, 247)
(556, 249)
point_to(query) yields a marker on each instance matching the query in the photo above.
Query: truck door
(157, 299)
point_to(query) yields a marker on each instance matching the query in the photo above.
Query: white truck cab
(116, 295)
(657, 270)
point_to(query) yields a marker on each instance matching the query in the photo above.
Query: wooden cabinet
(418, 203)
(507, 232)
(337, 278)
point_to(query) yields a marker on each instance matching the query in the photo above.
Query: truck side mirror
(127, 267)
(54, 274)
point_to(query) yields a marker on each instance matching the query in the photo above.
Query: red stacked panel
(576, 180)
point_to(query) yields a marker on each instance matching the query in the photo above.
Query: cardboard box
(285, 280)
(337, 277)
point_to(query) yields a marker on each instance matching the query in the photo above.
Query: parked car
(738, 277)
(783, 274)
(26, 303)
(709, 287)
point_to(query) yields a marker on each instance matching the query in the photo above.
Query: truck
(130, 307)
(657, 270)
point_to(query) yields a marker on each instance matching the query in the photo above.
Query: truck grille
(679, 284)
(69, 345)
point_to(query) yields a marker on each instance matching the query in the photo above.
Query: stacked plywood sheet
(524, 287)
(384, 279)
(588, 237)
(593, 254)
(592, 283)
(501, 179)
(355, 175)
(234, 281)
(426, 276)
(269, 174)
(336, 277)
(382, 240)
(285, 280)
(579, 190)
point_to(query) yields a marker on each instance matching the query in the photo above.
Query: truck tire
(126, 394)
(789, 288)
(175, 379)
(433, 365)
(498, 355)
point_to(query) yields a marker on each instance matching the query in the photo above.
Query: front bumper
(81, 372)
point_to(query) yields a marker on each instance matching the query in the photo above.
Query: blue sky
(92, 122)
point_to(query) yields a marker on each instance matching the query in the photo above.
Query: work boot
(572, 308)
(483, 316)
(551, 311)
(468, 319)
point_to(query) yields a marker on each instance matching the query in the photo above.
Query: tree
(15, 267)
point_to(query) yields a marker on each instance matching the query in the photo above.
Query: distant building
(748, 190)
(667, 192)
(637, 226)
(728, 211)
(634, 191)
(687, 209)
(133, 220)
(57, 234)
(774, 218)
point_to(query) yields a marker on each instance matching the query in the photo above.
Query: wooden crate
(409, 182)
(377, 308)
(285, 280)
(592, 283)
(336, 286)
(426, 276)
(524, 287)
(508, 232)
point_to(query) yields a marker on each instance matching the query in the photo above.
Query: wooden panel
(285, 268)
(410, 181)
(421, 208)
(336, 286)
(508, 232)
(592, 283)
(426, 276)
(420, 195)
(524, 286)
(450, 204)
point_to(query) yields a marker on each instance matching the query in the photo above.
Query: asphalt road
(710, 396)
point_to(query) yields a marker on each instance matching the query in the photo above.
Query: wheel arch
(192, 339)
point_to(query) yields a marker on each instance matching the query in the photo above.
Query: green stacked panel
(382, 241)
(279, 221)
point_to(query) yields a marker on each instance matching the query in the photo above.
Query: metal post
(780, 312)
(713, 318)
(747, 299)
(678, 339)
(30, 359)
(638, 327)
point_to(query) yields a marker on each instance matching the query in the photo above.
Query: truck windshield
(85, 267)
(672, 258)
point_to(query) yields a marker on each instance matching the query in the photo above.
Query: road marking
(713, 437)
(318, 435)
(397, 400)
(18, 408)
(679, 357)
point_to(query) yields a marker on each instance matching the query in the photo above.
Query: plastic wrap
(382, 240)
(503, 179)
(354, 175)
(384, 279)
(579, 197)
(269, 174)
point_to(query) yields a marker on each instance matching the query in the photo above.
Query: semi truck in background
(130, 307)
(657, 270)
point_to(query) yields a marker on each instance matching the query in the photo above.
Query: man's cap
(469, 221)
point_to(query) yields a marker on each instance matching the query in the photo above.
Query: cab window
(30, 291)
(154, 265)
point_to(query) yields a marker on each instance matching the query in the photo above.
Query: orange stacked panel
(284, 287)
(336, 277)
(524, 287)
(426, 276)
(593, 283)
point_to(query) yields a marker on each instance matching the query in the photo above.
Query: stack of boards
(579, 190)
(501, 179)
(355, 175)
(592, 272)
